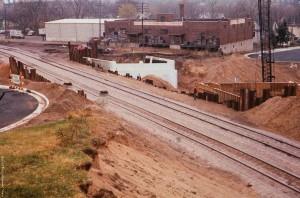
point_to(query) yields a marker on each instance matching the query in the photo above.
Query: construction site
(158, 107)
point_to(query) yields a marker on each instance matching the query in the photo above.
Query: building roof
(80, 21)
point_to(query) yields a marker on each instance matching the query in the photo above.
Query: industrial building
(230, 35)
(75, 30)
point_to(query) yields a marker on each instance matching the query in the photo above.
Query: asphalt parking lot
(292, 55)
(15, 106)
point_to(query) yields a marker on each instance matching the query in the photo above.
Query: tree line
(33, 14)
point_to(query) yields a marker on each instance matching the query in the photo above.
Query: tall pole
(143, 24)
(5, 24)
(100, 21)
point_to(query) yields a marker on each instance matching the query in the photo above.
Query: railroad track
(290, 149)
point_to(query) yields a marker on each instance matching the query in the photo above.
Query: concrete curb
(43, 104)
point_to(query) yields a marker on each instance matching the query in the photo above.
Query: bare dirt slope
(134, 163)
(280, 115)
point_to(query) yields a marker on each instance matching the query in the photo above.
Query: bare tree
(58, 9)
(80, 8)
(107, 9)
(28, 14)
(213, 7)
(192, 9)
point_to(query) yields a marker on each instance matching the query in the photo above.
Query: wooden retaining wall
(275, 89)
(77, 54)
(244, 96)
(18, 67)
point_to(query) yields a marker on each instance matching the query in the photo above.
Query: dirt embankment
(280, 115)
(133, 163)
(4, 71)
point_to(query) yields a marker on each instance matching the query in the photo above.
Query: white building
(75, 30)
(256, 34)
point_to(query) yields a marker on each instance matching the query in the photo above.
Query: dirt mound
(158, 82)
(62, 101)
(4, 70)
(228, 68)
(277, 114)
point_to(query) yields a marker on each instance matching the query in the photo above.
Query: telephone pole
(144, 6)
(100, 20)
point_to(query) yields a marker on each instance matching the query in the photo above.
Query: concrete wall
(165, 71)
(241, 46)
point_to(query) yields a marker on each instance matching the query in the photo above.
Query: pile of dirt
(228, 69)
(277, 114)
(62, 101)
(158, 82)
(4, 72)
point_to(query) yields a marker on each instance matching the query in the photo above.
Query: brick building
(232, 35)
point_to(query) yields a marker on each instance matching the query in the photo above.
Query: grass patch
(41, 161)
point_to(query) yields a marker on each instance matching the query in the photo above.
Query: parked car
(30, 33)
(298, 40)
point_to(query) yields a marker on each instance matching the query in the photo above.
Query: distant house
(256, 34)
(295, 29)
(208, 15)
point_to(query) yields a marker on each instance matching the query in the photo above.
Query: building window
(147, 31)
(253, 34)
(162, 18)
(164, 31)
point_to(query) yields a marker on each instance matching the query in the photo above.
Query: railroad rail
(290, 149)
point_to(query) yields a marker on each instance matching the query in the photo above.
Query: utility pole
(143, 24)
(144, 6)
(7, 4)
(100, 20)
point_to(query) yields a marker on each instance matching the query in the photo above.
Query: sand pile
(226, 69)
(4, 70)
(277, 114)
(158, 82)
(62, 101)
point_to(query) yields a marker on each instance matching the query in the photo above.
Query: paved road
(289, 55)
(14, 106)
